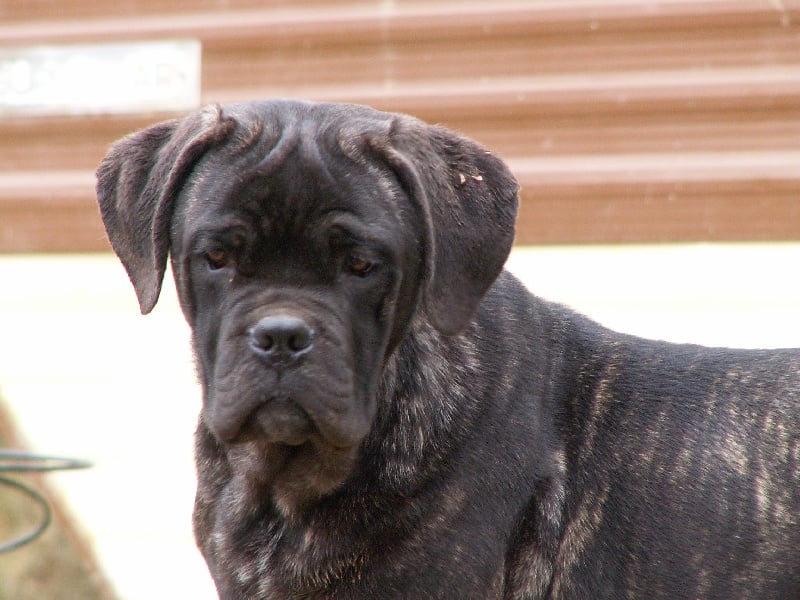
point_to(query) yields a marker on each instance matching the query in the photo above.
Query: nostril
(265, 342)
(261, 338)
(281, 335)
(300, 340)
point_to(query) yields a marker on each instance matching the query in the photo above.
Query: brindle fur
(448, 435)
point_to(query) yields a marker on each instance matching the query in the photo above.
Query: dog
(387, 413)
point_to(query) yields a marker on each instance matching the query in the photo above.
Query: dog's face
(304, 239)
(295, 273)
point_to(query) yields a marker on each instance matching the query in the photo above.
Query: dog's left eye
(358, 265)
(217, 259)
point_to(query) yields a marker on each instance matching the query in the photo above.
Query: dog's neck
(418, 398)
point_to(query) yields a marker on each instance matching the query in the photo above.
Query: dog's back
(681, 468)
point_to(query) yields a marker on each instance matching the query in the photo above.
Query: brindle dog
(389, 414)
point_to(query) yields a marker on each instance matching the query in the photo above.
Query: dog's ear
(468, 200)
(137, 183)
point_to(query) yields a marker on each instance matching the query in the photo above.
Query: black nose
(281, 337)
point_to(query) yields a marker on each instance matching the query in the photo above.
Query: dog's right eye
(217, 259)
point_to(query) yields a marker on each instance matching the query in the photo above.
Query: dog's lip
(280, 416)
(282, 420)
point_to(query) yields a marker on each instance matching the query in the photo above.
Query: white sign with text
(100, 78)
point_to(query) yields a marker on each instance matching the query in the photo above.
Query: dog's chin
(281, 421)
(295, 466)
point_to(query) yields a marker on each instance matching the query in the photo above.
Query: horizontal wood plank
(672, 120)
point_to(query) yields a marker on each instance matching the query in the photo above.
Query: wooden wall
(625, 120)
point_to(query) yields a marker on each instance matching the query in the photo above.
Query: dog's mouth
(281, 449)
(295, 441)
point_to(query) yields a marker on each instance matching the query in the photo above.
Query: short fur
(443, 433)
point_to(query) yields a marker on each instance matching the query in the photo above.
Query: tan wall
(625, 121)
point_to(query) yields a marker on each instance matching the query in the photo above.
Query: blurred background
(657, 143)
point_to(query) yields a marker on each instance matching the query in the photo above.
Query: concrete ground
(86, 376)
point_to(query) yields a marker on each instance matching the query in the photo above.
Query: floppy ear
(137, 183)
(468, 201)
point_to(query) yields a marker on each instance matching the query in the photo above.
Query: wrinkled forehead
(291, 170)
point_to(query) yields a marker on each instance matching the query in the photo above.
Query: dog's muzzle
(284, 382)
(279, 342)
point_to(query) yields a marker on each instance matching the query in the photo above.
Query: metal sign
(100, 78)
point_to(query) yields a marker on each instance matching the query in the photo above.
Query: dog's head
(304, 239)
